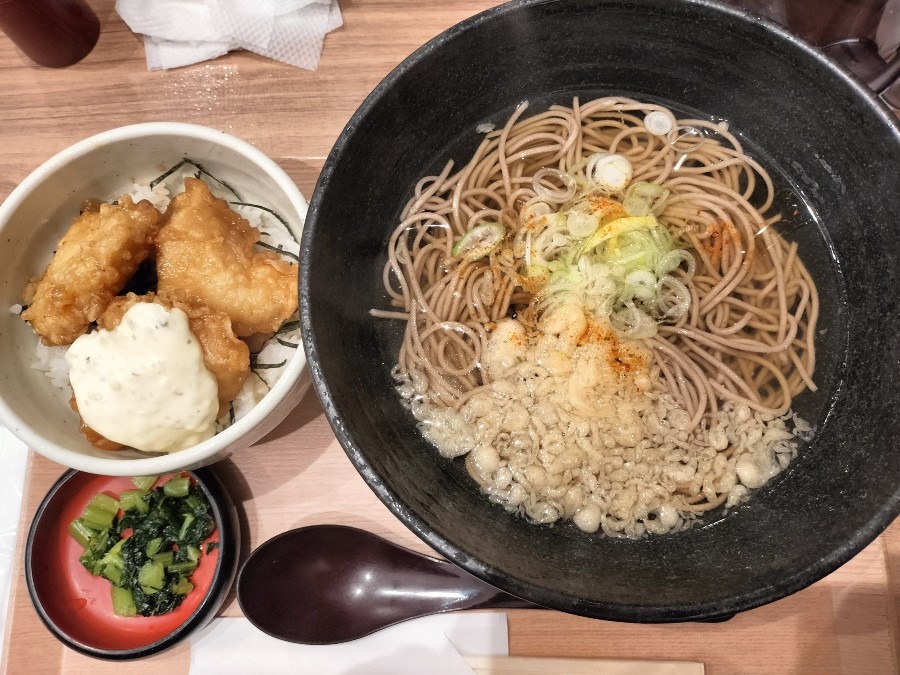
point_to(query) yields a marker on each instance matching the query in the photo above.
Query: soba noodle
(603, 411)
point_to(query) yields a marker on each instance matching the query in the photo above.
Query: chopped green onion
(644, 198)
(616, 228)
(609, 171)
(582, 224)
(672, 260)
(480, 241)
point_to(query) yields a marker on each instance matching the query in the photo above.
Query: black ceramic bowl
(76, 606)
(824, 137)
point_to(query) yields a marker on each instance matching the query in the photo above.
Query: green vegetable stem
(146, 544)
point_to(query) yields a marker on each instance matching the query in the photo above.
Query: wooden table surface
(299, 475)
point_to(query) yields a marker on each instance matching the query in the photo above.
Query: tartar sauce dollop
(144, 384)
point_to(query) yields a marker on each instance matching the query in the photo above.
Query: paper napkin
(13, 464)
(435, 645)
(181, 32)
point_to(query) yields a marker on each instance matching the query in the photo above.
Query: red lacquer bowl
(77, 606)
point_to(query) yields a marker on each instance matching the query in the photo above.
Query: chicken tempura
(98, 255)
(224, 355)
(205, 256)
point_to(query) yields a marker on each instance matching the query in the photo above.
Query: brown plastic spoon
(325, 584)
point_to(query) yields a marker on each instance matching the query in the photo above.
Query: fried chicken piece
(225, 356)
(205, 256)
(93, 262)
(97, 440)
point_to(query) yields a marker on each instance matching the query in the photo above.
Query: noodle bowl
(600, 314)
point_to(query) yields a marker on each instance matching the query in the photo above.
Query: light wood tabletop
(299, 475)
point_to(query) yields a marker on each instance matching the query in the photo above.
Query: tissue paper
(181, 32)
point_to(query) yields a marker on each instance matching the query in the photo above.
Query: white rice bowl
(34, 390)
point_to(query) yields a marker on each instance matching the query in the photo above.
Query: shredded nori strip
(265, 384)
(293, 345)
(278, 249)
(288, 326)
(273, 212)
(168, 172)
(200, 171)
(264, 366)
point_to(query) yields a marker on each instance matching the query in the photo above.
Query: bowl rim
(707, 611)
(225, 515)
(175, 461)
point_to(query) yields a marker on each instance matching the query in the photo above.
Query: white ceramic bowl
(32, 221)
